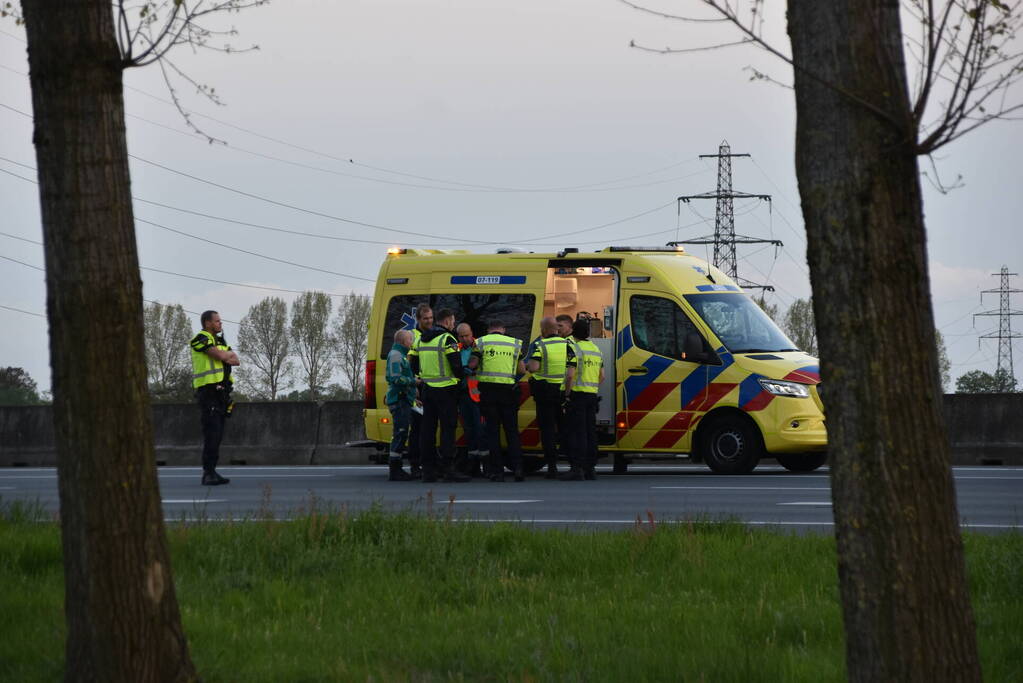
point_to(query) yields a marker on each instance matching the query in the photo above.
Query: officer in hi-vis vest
(435, 359)
(547, 363)
(212, 360)
(497, 360)
(584, 373)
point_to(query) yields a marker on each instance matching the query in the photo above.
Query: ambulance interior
(589, 291)
(583, 291)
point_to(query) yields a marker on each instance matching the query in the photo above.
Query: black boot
(519, 475)
(474, 465)
(416, 472)
(574, 474)
(495, 470)
(397, 473)
(589, 474)
(552, 471)
(211, 478)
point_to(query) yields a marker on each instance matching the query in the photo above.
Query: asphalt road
(990, 498)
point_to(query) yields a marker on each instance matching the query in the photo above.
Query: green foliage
(168, 362)
(263, 342)
(374, 596)
(980, 382)
(17, 388)
(311, 340)
(351, 328)
(800, 326)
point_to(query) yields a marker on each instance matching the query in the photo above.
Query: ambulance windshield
(739, 323)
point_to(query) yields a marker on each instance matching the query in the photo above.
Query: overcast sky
(471, 124)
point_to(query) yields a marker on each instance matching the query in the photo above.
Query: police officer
(547, 363)
(437, 362)
(584, 373)
(212, 360)
(497, 360)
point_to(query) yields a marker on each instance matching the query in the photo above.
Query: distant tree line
(310, 351)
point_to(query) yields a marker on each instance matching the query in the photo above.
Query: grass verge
(337, 597)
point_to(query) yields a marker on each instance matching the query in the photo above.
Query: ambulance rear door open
(589, 287)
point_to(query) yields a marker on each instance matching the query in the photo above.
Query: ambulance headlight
(780, 387)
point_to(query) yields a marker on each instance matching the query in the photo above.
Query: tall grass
(333, 596)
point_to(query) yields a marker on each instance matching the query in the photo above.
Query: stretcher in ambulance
(693, 366)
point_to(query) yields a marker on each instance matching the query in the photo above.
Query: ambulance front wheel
(731, 445)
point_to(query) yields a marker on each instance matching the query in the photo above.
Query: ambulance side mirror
(696, 352)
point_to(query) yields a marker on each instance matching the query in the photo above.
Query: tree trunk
(906, 605)
(122, 614)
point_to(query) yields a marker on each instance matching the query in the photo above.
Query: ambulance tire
(806, 462)
(731, 445)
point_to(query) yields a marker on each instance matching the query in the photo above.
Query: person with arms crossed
(212, 360)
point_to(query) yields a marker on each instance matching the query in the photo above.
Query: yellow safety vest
(205, 368)
(499, 358)
(434, 367)
(588, 362)
(552, 354)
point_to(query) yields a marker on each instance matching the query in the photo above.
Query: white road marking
(7, 488)
(809, 502)
(31, 476)
(494, 502)
(233, 520)
(746, 488)
(198, 501)
(249, 476)
(990, 477)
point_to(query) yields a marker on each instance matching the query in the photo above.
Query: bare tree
(351, 327)
(263, 340)
(123, 622)
(859, 132)
(800, 326)
(944, 365)
(167, 358)
(311, 341)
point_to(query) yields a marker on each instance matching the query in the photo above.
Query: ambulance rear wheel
(807, 462)
(731, 445)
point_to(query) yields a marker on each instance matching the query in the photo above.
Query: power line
(20, 310)
(460, 186)
(234, 221)
(226, 246)
(39, 268)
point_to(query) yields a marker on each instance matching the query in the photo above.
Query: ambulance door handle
(639, 371)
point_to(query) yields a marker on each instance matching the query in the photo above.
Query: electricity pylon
(1005, 335)
(724, 238)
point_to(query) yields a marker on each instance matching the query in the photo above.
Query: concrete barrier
(270, 433)
(984, 429)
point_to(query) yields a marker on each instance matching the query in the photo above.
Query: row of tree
(300, 349)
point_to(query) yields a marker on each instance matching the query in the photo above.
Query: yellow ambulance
(693, 365)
